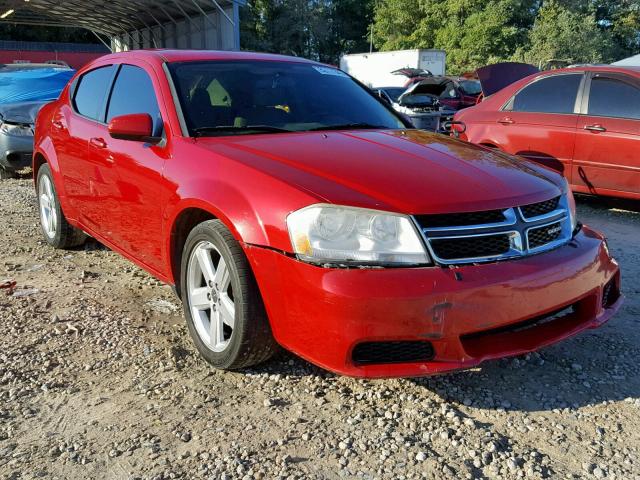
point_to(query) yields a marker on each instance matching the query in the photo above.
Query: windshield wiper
(349, 126)
(205, 131)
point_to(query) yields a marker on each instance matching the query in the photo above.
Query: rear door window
(133, 92)
(554, 94)
(617, 97)
(91, 92)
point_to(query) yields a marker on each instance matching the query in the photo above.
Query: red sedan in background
(319, 220)
(583, 122)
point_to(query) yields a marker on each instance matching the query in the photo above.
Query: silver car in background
(24, 89)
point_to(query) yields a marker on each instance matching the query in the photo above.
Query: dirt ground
(98, 380)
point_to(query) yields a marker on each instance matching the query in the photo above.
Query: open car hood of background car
(494, 78)
(22, 113)
(424, 87)
(412, 72)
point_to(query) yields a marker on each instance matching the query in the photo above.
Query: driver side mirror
(136, 127)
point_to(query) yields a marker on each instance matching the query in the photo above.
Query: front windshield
(471, 87)
(236, 97)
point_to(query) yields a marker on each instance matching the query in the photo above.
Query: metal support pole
(102, 41)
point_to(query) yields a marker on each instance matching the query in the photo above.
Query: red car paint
(136, 198)
(597, 154)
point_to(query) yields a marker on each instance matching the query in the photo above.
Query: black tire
(65, 235)
(6, 174)
(251, 341)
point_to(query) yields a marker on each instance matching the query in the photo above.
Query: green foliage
(318, 29)
(562, 34)
(475, 33)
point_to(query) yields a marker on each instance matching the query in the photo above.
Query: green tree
(473, 32)
(317, 29)
(559, 33)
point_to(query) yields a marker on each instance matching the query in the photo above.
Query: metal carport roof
(121, 18)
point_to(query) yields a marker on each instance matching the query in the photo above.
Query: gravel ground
(98, 379)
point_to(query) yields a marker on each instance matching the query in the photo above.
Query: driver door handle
(506, 121)
(98, 142)
(595, 128)
(57, 124)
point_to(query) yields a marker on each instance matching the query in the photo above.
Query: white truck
(376, 69)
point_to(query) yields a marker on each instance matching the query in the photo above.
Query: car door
(607, 156)
(539, 121)
(73, 126)
(138, 189)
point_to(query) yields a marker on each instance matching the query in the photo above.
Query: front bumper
(469, 314)
(15, 152)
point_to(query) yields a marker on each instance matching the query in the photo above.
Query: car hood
(494, 78)
(409, 172)
(24, 113)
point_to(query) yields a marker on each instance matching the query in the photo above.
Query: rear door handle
(595, 128)
(98, 142)
(58, 124)
(506, 121)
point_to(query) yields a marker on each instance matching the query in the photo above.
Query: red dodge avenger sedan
(289, 206)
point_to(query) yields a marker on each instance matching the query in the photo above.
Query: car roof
(594, 68)
(170, 56)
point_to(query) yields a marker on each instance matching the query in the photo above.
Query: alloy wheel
(210, 296)
(48, 210)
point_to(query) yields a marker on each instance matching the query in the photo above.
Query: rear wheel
(222, 304)
(56, 230)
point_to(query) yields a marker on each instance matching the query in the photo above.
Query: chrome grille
(542, 208)
(461, 219)
(540, 236)
(492, 235)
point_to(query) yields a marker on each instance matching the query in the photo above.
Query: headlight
(16, 130)
(571, 203)
(334, 234)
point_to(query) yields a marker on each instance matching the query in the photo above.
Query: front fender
(226, 203)
(253, 206)
(44, 149)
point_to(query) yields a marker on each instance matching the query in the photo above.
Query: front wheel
(222, 304)
(56, 230)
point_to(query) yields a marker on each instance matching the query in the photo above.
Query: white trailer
(374, 69)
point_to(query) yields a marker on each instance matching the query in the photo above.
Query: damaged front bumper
(15, 152)
(402, 322)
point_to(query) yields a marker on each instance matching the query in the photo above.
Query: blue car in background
(24, 89)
